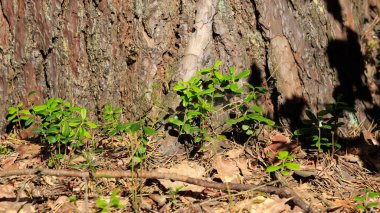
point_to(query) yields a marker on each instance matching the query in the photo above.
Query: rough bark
(128, 52)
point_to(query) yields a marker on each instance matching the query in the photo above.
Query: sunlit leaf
(39, 108)
(91, 124)
(272, 168)
(217, 64)
(243, 74)
(292, 166)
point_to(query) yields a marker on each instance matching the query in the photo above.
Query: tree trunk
(130, 52)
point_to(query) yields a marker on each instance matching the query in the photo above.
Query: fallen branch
(282, 192)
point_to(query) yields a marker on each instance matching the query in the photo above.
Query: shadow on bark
(345, 56)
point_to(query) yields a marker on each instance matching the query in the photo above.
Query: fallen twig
(281, 191)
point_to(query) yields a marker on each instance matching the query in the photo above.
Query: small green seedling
(111, 119)
(5, 150)
(285, 166)
(323, 126)
(114, 202)
(173, 193)
(363, 202)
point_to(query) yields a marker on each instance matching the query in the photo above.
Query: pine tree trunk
(129, 53)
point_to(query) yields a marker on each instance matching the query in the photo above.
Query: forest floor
(324, 183)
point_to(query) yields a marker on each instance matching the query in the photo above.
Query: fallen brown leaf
(227, 170)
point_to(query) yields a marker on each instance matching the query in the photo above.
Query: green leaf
(65, 129)
(108, 107)
(311, 116)
(217, 64)
(372, 204)
(323, 113)
(234, 87)
(74, 124)
(28, 122)
(83, 113)
(149, 131)
(73, 109)
(261, 118)
(118, 111)
(178, 87)
(326, 127)
(194, 129)
(292, 166)
(91, 125)
(204, 71)
(282, 155)
(360, 206)
(186, 128)
(10, 118)
(191, 114)
(81, 132)
(231, 121)
(245, 127)
(39, 108)
(273, 168)
(359, 198)
(232, 70)
(218, 75)
(218, 95)
(12, 110)
(52, 130)
(51, 139)
(257, 109)
(24, 117)
(243, 74)
(249, 132)
(19, 105)
(373, 194)
(101, 203)
(285, 172)
(59, 156)
(73, 198)
(175, 121)
(135, 127)
(86, 133)
(25, 111)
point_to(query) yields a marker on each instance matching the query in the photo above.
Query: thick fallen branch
(283, 192)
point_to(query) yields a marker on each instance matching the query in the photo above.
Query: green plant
(200, 95)
(137, 132)
(5, 150)
(323, 126)
(57, 122)
(17, 115)
(114, 202)
(111, 119)
(173, 194)
(363, 203)
(285, 166)
(73, 198)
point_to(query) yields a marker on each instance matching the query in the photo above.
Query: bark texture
(129, 52)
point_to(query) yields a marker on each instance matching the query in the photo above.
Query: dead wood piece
(281, 191)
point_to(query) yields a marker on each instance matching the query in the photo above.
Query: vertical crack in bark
(271, 81)
(6, 18)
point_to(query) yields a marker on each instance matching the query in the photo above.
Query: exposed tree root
(281, 191)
